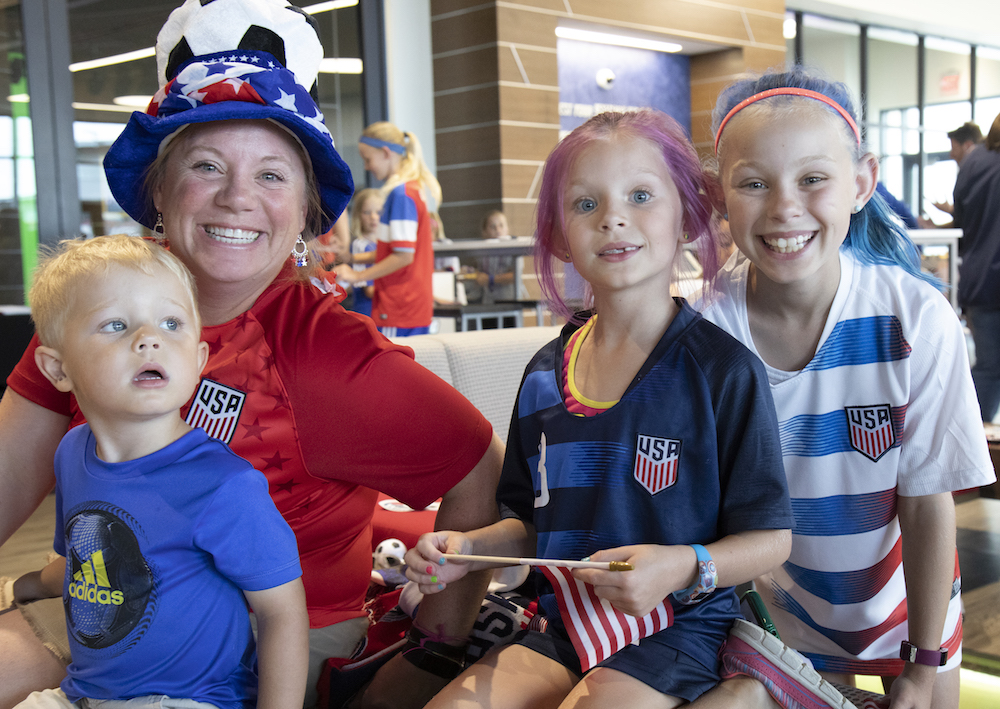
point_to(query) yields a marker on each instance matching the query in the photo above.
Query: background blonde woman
(403, 302)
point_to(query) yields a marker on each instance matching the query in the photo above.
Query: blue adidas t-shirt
(158, 551)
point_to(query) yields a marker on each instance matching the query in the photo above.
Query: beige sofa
(485, 365)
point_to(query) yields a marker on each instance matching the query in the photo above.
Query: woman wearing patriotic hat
(234, 169)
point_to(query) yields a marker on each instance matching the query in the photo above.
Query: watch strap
(933, 658)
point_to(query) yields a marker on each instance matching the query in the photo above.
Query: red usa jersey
(404, 298)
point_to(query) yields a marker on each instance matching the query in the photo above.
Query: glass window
(18, 207)
(893, 121)
(947, 72)
(114, 74)
(105, 94)
(987, 86)
(341, 97)
(947, 91)
(834, 47)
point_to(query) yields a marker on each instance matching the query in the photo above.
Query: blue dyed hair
(875, 236)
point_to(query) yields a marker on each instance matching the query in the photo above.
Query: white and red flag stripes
(596, 628)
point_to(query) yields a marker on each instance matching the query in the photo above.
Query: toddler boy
(166, 533)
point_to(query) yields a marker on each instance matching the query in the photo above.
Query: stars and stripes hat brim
(240, 85)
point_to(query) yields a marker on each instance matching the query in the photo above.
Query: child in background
(495, 226)
(366, 208)
(403, 303)
(166, 534)
(638, 382)
(497, 276)
(870, 377)
(330, 247)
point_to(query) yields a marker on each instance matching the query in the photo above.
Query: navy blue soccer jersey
(689, 454)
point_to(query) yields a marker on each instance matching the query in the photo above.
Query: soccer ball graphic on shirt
(109, 586)
(200, 27)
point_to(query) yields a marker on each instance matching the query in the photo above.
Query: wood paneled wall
(496, 87)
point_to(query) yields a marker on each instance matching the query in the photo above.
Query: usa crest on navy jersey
(216, 409)
(870, 429)
(656, 462)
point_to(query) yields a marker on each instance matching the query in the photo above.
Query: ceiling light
(616, 39)
(947, 45)
(885, 34)
(826, 24)
(132, 101)
(331, 5)
(18, 98)
(340, 65)
(102, 107)
(114, 59)
(789, 29)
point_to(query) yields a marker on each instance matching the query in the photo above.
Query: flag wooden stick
(565, 563)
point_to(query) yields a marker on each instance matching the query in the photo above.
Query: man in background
(977, 212)
(964, 140)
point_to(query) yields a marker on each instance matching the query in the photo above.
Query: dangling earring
(300, 253)
(158, 234)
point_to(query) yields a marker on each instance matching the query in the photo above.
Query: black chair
(16, 330)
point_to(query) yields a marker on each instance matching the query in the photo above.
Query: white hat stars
(286, 101)
(317, 122)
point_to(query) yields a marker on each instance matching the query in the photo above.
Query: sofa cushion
(484, 365)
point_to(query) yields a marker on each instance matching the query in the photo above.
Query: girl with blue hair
(879, 424)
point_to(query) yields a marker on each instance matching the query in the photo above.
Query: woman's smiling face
(233, 200)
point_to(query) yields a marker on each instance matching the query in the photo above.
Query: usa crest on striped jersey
(216, 409)
(656, 462)
(870, 429)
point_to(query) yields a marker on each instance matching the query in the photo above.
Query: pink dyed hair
(682, 161)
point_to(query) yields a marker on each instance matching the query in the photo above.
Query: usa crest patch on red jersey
(216, 409)
(870, 429)
(656, 462)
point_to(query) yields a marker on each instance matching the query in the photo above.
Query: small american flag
(596, 628)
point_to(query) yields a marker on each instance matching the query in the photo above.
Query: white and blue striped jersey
(885, 407)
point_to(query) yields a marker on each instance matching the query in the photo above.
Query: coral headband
(788, 91)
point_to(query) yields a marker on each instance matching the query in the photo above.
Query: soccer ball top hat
(223, 60)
